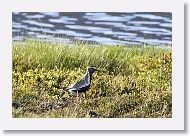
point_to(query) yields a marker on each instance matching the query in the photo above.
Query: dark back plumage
(83, 84)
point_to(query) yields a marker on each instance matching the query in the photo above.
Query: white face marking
(88, 79)
(93, 67)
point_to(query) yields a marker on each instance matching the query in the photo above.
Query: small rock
(93, 114)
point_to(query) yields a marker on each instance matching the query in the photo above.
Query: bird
(82, 85)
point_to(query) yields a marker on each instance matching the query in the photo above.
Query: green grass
(133, 81)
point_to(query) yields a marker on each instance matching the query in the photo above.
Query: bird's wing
(80, 84)
(84, 82)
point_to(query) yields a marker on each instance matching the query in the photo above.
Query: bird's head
(91, 69)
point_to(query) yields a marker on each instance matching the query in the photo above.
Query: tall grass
(133, 81)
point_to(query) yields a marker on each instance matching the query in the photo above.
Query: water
(105, 28)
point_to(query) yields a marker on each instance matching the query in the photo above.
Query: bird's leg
(77, 93)
(84, 94)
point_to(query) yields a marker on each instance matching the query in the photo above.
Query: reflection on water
(105, 28)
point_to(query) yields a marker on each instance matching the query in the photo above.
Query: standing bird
(83, 84)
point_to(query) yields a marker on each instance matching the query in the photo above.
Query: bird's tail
(63, 89)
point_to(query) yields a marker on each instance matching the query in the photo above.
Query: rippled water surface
(104, 28)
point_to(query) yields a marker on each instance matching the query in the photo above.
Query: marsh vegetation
(132, 82)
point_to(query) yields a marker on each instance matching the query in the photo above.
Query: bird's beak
(97, 70)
